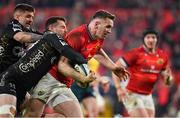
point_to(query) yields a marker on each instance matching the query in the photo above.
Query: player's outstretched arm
(27, 37)
(104, 59)
(63, 48)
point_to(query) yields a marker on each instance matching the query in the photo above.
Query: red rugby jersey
(81, 40)
(144, 68)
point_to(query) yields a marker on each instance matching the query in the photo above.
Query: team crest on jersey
(160, 61)
(41, 93)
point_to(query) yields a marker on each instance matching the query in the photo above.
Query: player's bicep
(64, 49)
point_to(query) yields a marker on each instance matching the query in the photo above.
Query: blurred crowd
(132, 16)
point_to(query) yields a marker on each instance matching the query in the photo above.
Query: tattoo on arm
(34, 37)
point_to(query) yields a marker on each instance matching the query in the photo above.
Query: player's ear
(96, 24)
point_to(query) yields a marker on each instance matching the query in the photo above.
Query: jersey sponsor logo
(160, 61)
(1, 50)
(150, 71)
(41, 92)
(25, 67)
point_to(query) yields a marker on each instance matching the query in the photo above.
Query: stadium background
(132, 16)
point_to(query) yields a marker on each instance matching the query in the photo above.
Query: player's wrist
(118, 87)
(168, 80)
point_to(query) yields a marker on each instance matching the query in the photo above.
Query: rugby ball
(83, 69)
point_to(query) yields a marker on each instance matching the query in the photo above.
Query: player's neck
(149, 50)
(91, 30)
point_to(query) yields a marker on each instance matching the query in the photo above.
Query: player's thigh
(69, 109)
(149, 105)
(7, 95)
(132, 102)
(36, 105)
(7, 104)
(67, 104)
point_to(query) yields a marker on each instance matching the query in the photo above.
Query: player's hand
(167, 76)
(91, 77)
(122, 73)
(86, 80)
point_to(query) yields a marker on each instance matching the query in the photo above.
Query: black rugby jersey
(40, 58)
(10, 49)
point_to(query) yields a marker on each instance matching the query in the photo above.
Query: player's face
(150, 41)
(60, 28)
(26, 18)
(103, 28)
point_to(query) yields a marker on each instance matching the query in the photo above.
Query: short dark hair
(53, 20)
(150, 31)
(24, 7)
(103, 14)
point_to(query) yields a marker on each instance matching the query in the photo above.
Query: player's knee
(7, 111)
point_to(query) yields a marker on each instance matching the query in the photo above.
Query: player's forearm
(73, 56)
(104, 59)
(27, 37)
(68, 71)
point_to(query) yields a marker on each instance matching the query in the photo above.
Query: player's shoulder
(76, 34)
(14, 25)
(137, 49)
(78, 30)
(161, 51)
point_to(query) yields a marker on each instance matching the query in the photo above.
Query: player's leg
(149, 105)
(135, 105)
(7, 96)
(90, 105)
(7, 105)
(35, 108)
(66, 104)
(87, 98)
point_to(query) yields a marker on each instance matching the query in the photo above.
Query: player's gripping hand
(122, 73)
(86, 80)
(90, 78)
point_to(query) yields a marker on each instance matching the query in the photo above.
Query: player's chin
(82, 85)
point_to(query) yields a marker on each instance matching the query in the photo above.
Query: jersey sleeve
(63, 48)
(130, 57)
(12, 29)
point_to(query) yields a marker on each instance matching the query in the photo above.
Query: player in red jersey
(86, 39)
(145, 63)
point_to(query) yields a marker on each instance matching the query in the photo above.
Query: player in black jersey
(16, 33)
(19, 77)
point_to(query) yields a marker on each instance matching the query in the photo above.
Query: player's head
(57, 25)
(150, 38)
(24, 13)
(101, 24)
